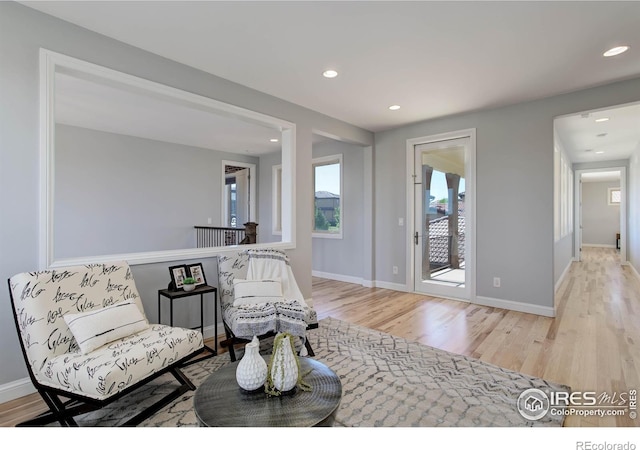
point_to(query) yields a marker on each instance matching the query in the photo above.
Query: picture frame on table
(196, 271)
(178, 274)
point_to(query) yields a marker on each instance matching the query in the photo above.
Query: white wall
(600, 221)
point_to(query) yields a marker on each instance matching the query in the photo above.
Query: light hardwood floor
(592, 345)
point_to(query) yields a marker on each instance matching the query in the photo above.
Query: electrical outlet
(401, 221)
(209, 220)
(496, 282)
(395, 270)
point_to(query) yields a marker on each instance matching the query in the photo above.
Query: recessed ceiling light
(602, 135)
(602, 119)
(330, 73)
(394, 107)
(588, 150)
(599, 152)
(273, 140)
(616, 50)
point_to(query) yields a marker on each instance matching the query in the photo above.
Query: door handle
(415, 238)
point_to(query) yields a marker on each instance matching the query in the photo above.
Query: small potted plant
(189, 284)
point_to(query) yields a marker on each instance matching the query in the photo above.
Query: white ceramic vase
(251, 373)
(284, 367)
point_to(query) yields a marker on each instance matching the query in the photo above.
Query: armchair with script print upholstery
(87, 342)
(259, 297)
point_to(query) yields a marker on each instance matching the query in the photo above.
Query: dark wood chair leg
(308, 347)
(232, 351)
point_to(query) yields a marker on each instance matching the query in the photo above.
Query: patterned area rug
(387, 382)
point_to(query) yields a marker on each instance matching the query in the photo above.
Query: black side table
(200, 290)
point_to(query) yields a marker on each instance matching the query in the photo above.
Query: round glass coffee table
(220, 402)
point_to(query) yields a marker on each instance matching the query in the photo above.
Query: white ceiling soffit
(594, 177)
(89, 104)
(586, 140)
(432, 58)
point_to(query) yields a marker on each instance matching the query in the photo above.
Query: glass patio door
(441, 226)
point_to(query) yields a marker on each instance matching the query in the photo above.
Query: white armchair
(266, 318)
(87, 342)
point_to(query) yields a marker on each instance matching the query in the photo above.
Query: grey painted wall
(344, 256)
(23, 31)
(514, 168)
(335, 256)
(600, 221)
(122, 194)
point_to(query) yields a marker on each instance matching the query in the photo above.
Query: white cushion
(256, 292)
(98, 327)
(122, 363)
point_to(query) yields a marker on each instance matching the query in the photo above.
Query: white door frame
(577, 201)
(470, 209)
(252, 190)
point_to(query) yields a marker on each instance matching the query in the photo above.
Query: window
(563, 195)
(614, 196)
(327, 188)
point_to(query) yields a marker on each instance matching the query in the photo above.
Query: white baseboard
(337, 277)
(391, 286)
(546, 311)
(564, 274)
(362, 282)
(599, 245)
(210, 331)
(16, 389)
(633, 269)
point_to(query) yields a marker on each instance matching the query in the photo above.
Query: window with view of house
(327, 182)
(614, 196)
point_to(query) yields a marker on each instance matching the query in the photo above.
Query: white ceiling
(583, 140)
(99, 106)
(594, 177)
(431, 58)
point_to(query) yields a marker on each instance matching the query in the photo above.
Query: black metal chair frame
(64, 411)
(233, 340)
